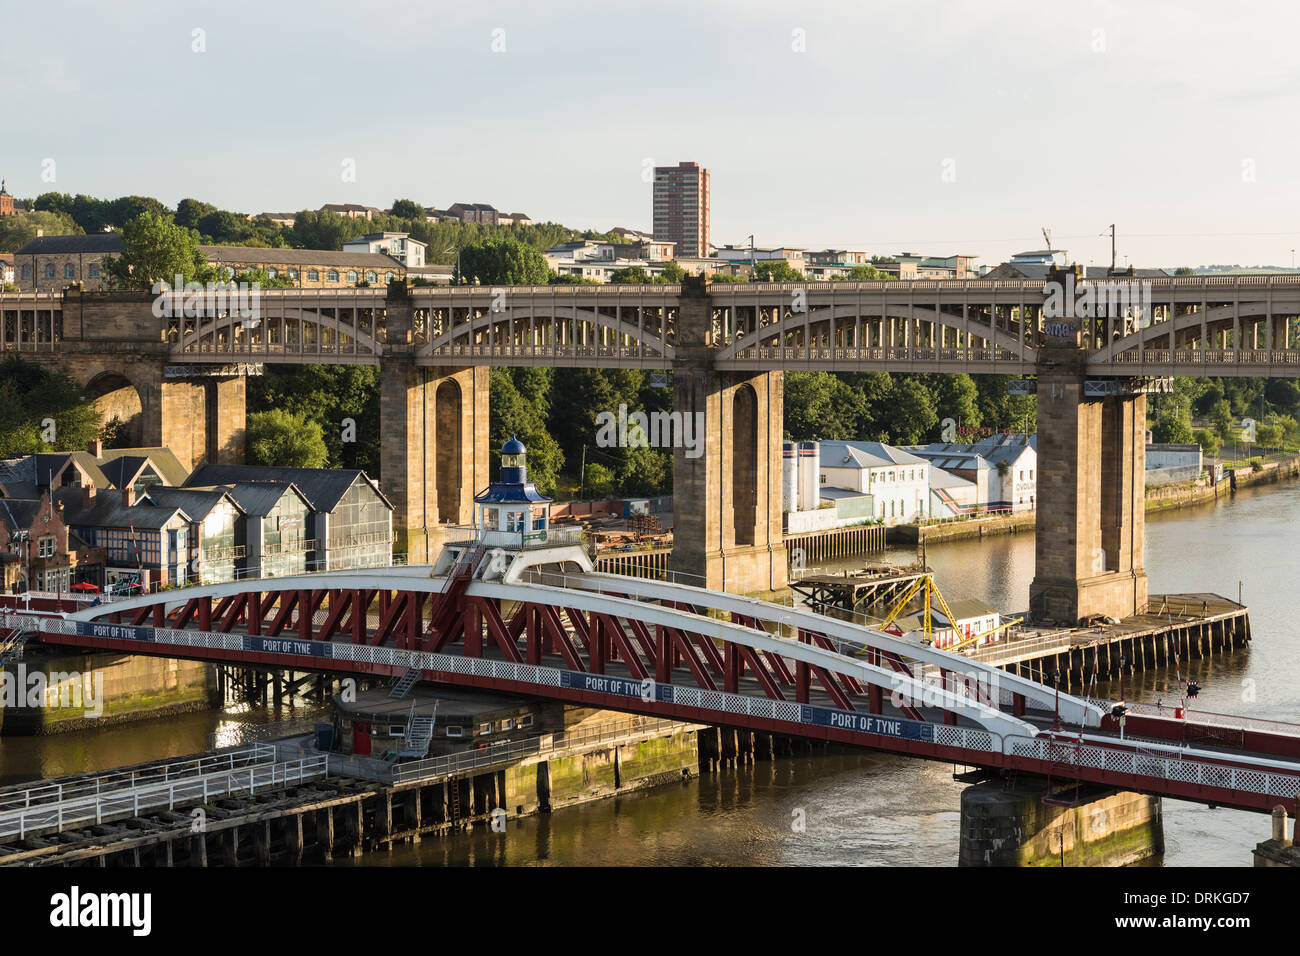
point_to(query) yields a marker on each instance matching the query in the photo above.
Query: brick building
(6, 201)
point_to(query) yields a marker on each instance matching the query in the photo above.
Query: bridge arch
(934, 316)
(118, 399)
(447, 428)
(511, 328)
(1216, 319)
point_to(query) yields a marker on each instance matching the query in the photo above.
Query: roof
(940, 479)
(836, 494)
(39, 468)
(18, 514)
(258, 498)
(864, 454)
(323, 488)
(966, 609)
(96, 242)
(108, 511)
(196, 502)
(1040, 270)
(164, 461)
(303, 257)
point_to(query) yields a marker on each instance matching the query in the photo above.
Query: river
(857, 809)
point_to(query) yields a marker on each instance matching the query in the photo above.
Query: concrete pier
(1093, 826)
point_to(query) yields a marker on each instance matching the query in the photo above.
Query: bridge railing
(134, 800)
(23, 798)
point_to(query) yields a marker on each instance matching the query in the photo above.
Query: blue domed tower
(512, 511)
(514, 529)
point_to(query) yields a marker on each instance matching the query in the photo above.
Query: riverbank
(1158, 498)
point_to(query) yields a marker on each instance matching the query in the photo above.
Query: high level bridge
(177, 377)
(685, 653)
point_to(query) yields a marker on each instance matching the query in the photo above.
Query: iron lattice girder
(699, 635)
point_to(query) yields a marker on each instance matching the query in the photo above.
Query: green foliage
(501, 260)
(1221, 415)
(673, 274)
(156, 250)
(284, 439)
(1170, 429)
(17, 231)
(1208, 440)
(327, 396)
(632, 275)
(408, 209)
(776, 271)
(599, 482)
(36, 404)
(513, 414)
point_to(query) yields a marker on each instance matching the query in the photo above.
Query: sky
(920, 126)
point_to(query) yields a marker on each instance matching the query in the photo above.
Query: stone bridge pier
(727, 487)
(1091, 493)
(434, 447)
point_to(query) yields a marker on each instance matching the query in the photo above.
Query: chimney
(96, 448)
(128, 497)
(87, 496)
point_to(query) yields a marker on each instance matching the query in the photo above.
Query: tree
(867, 274)
(512, 415)
(673, 274)
(776, 270)
(912, 417)
(17, 231)
(190, 211)
(156, 250)
(342, 400)
(632, 275)
(1172, 430)
(599, 481)
(285, 440)
(42, 410)
(1221, 415)
(1208, 441)
(407, 209)
(501, 260)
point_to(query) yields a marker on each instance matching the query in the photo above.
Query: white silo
(810, 466)
(789, 477)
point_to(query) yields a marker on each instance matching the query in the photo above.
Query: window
(507, 724)
(388, 277)
(370, 277)
(352, 275)
(92, 270)
(49, 270)
(485, 728)
(333, 275)
(69, 271)
(27, 272)
(526, 720)
(46, 548)
(313, 275)
(396, 730)
(455, 730)
(273, 272)
(293, 274)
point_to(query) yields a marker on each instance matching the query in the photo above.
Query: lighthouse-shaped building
(513, 528)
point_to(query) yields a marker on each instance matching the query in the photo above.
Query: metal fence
(72, 809)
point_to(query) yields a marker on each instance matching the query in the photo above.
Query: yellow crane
(932, 595)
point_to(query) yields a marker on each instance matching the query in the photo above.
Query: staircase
(458, 582)
(419, 734)
(402, 686)
(11, 644)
